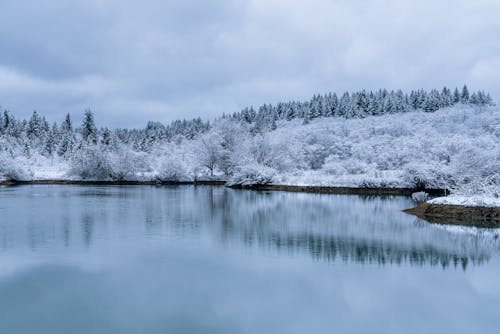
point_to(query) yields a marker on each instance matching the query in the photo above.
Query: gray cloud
(134, 61)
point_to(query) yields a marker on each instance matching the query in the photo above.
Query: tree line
(64, 139)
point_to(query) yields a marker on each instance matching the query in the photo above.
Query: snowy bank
(464, 200)
(479, 211)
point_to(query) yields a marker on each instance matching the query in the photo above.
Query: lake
(186, 259)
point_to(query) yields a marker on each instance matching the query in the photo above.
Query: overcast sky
(131, 61)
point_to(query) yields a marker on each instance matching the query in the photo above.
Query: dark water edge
(110, 182)
(266, 187)
(477, 216)
(346, 190)
(436, 214)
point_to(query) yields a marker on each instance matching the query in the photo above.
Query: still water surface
(140, 259)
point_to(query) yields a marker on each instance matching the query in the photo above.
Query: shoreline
(342, 190)
(111, 182)
(268, 187)
(448, 214)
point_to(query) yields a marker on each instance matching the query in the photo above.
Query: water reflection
(330, 228)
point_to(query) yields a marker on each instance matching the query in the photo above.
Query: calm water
(141, 259)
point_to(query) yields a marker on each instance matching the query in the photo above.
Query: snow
(467, 200)
(456, 148)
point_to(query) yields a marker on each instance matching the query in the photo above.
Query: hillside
(455, 147)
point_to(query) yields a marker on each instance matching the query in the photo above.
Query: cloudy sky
(131, 61)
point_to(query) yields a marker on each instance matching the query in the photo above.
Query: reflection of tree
(482, 223)
(66, 230)
(331, 232)
(87, 228)
(332, 248)
(330, 228)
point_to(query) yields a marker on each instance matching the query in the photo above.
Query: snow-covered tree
(88, 129)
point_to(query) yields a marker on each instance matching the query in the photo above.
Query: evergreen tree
(291, 112)
(456, 96)
(361, 103)
(433, 101)
(35, 127)
(390, 105)
(106, 137)
(67, 136)
(66, 125)
(2, 126)
(464, 98)
(334, 105)
(50, 144)
(6, 119)
(89, 130)
(446, 97)
(314, 109)
(474, 99)
(345, 105)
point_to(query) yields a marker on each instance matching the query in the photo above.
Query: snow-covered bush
(427, 176)
(334, 166)
(420, 196)
(91, 163)
(252, 174)
(13, 169)
(126, 164)
(173, 171)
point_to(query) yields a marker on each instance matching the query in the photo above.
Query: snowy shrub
(173, 170)
(126, 164)
(334, 167)
(420, 196)
(356, 166)
(315, 155)
(252, 174)
(425, 176)
(91, 163)
(13, 169)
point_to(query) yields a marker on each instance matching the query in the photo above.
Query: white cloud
(168, 59)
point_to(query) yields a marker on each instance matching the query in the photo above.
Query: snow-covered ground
(467, 200)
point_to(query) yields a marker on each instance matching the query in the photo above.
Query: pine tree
(361, 103)
(6, 119)
(345, 105)
(291, 112)
(50, 144)
(334, 105)
(89, 130)
(474, 99)
(464, 98)
(2, 127)
(66, 125)
(446, 97)
(390, 105)
(35, 127)
(432, 102)
(67, 141)
(106, 137)
(456, 96)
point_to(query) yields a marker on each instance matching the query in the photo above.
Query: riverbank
(450, 210)
(268, 187)
(342, 190)
(111, 182)
(456, 214)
